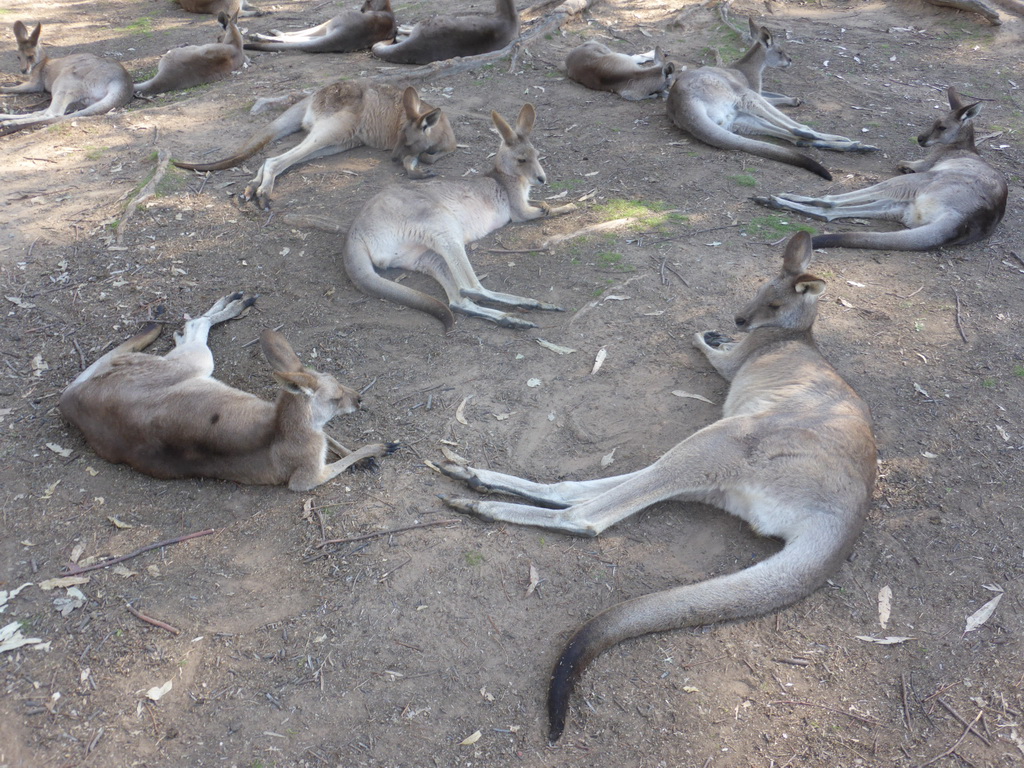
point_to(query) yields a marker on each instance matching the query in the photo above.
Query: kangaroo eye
(775, 305)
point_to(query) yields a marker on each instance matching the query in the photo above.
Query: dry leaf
(157, 693)
(608, 458)
(92, 471)
(690, 689)
(59, 450)
(983, 614)
(884, 605)
(20, 302)
(460, 412)
(48, 493)
(473, 738)
(681, 393)
(453, 457)
(486, 694)
(119, 523)
(602, 353)
(63, 581)
(11, 638)
(534, 579)
(534, 382)
(120, 570)
(502, 416)
(890, 640)
(555, 347)
(919, 389)
(76, 553)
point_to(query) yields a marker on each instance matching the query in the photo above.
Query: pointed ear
(524, 123)
(955, 102)
(755, 31)
(429, 120)
(411, 102)
(33, 39)
(279, 352)
(797, 256)
(659, 55)
(20, 31)
(669, 70)
(969, 112)
(222, 19)
(507, 134)
(296, 382)
(809, 285)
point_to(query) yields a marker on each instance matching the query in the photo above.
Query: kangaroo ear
(669, 70)
(955, 102)
(524, 123)
(969, 112)
(755, 31)
(296, 382)
(222, 19)
(429, 120)
(797, 256)
(33, 39)
(411, 102)
(809, 285)
(659, 55)
(20, 31)
(279, 352)
(507, 134)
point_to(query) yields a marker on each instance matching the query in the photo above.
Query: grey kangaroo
(192, 65)
(348, 31)
(598, 67)
(715, 104)
(340, 117)
(793, 455)
(951, 197)
(214, 7)
(169, 418)
(445, 37)
(425, 228)
(95, 84)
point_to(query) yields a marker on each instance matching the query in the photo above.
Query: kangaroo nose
(740, 321)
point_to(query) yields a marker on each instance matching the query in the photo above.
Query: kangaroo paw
(464, 475)
(715, 339)
(511, 321)
(466, 507)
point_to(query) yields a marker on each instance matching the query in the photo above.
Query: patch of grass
(776, 225)
(988, 383)
(651, 215)
(743, 179)
(174, 181)
(608, 283)
(558, 186)
(58, 128)
(95, 153)
(1018, 370)
(141, 25)
(610, 260)
(473, 559)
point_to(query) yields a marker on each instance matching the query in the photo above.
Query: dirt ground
(400, 650)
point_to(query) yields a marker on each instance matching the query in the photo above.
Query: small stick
(956, 743)
(163, 157)
(378, 534)
(74, 570)
(829, 709)
(960, 719)
(151, 620)
(959, 320)
(906, 707)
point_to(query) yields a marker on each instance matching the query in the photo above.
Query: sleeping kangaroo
(169, 418)
(714, 104)
(952, 197)
(342, 116)
(192, 65)
(348, 31)
(793, 455)
(598, 67)
(445, 37)
(425, 228)
(95, 84)
(215, 7)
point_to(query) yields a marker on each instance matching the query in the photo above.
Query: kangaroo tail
(289, 122)
(708, 131)
(932, 235)
(360, 271)
(803, 564)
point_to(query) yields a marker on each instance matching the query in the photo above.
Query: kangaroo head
(789, 300)
(954, 128)
(30, 52)
(517, 156)
(774, 54)
(426, 136)
(327, 397)
(376, 5)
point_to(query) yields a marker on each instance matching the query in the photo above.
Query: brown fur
(192, 65)
(348, 31)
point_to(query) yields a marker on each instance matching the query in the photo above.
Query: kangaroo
(974, 6)
(95, 84)
(714, 104)
(445, 37)
(793, 455)
(425, 228)
(598, 67)
(348, 31)
(340, 117)
(215, 7)
(196, 64)
(169, 418)
(952, 197)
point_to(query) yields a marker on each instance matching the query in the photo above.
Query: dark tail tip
(817, 168)
(826, 241)
(567, 671)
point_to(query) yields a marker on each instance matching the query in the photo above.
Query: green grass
(651, 215)
(743, 179)
(142, 25)
(95, 153)
(473, 559)
(610, 260)
(1018, 370)
(776, 225)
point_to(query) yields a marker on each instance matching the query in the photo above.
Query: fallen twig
(151, 620)
(956, 743)
(74, 569)
(970, 726)
(959, 320)
(314, 222)
(590, 229)
(377, 534)
(862, 719)
(163, 157)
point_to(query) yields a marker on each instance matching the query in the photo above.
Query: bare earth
(401, 650)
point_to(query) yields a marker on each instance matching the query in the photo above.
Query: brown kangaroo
(951, 197)
(348, 31)
(98, 85)
(978, 6)
(599, 68)
(169, 418)
(340, 117)
(192, 65)
(215, 7)
(793, 455)
(425, 228)
(714, 104)
(445, 37)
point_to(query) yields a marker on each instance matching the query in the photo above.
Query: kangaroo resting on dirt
(348, 31)
(598, 67)
(951, 197)
(445, 37)
(95, 84)
(192, 65)
(169, 418)
(715, 104)
(215, 7)
(977, 6)
(793, 455)
(425, 228)
(340, 117)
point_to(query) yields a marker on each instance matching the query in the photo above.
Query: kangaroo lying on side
(425, 228)
(196, 64)
(598, 67)
(977, 6)
(97, 85)
(169, 418)
(445, 37)
(215, 7)
(348, 31)
(714, 104)
(793, 455)
(952, 197)
(340, 117)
